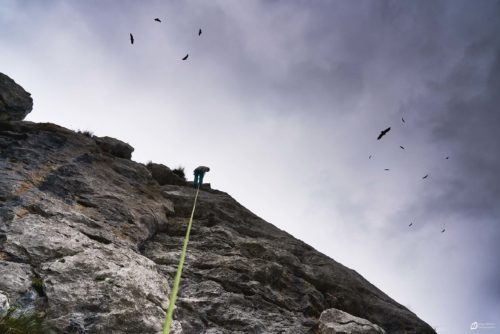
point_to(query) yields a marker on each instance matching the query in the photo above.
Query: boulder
(16, 280)
(115, 147)
(15, 102)
(333, 321)
(4, 303)
(164, 175)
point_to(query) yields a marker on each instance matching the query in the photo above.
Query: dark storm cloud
(459, 109)
(340, 51)
(468, 122)
(448, 51)
(439, 63)
(464, 115)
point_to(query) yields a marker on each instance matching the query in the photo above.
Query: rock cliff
(92, 239)
(15, 102)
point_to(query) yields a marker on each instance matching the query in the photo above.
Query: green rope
(173, 295)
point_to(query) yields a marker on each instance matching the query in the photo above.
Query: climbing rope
(173, 295)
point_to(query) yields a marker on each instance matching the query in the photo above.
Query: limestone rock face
(94, 240)
(333, 321)
(120, 287)
(4, 303)
(115, 147)
(164, 175)
(15, 102)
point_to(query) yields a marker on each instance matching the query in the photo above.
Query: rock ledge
(15, 102)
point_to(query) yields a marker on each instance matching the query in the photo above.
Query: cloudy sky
(284, 101)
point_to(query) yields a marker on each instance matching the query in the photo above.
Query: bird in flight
(443, 230)
(447, 158)
(401, 147)
(410, 224)
(185, 57)
(370, 156)
(199, 32)
(386, 168)
(157, 20)
(402, 118)
(426, 176)
(382, 133)
(131, 39)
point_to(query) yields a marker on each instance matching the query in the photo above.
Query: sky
(284, 101)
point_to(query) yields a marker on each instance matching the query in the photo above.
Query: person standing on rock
(199, 173)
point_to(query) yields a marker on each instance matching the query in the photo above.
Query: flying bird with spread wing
(386, 169)
(185, 57)
(131, 39)
(443, 230)
(199, 32)
(410, 224)
(426, 176)
(401, 147)
(370, 156)
(402, 118)
(447, 158)
(158, 20)
(383, 133)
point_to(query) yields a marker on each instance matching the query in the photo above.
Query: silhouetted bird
(443, 230)
(403, 120)
(426, 176)
(386, 169)
(131, 39)
(447, 158)
(370, 156)
(382, 133)
(410, 224)
(401, 147)
(186, 57)
(157, 20)
(199, 32)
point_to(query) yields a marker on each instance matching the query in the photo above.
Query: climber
(199, 172)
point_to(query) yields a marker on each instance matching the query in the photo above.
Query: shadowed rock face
(104, 238)
(15, 102)
(114, 147)
(164, 175)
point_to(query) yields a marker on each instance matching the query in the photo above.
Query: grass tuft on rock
(86, 133)
(179, 171)
(15, 322)
(37, 284)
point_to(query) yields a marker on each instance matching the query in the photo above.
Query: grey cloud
(294, 93)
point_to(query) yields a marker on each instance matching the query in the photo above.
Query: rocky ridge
(100, 235)
(15, 102)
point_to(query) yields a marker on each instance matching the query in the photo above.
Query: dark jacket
(201, 170)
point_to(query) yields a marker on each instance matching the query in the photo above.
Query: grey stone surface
(104, 288)
(164, 175)
(15, 102)
(16, 279)
(114, 147)
(4, 303)
(333, 321)
(104, 239)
